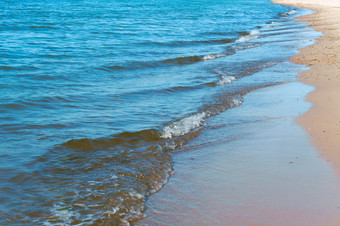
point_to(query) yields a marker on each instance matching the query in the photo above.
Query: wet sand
(322, 121)
(270, 174)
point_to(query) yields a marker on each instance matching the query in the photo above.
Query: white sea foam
(272, 24)
(62, 213)
(226, 80)
(237, 102)
(252, 35)
(136, 195)
(290, 12)
(93, 182)
(115, 209)
(254, 32)
(212, 56)
(114, 177)
(246, 46)
(184, 126)
(80, 205)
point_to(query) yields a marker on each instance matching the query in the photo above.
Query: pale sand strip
(303, 3)
(323, 119)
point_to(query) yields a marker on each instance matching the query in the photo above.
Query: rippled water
(96, 95)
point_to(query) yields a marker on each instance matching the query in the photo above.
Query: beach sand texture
(322, 121)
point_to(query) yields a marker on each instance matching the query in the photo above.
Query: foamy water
(253, 34)
(184, 126)
(226, 80)
(213, 56)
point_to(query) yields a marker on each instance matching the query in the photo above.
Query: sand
(322, 121)
(304, 3)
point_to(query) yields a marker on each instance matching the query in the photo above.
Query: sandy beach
(322, 121)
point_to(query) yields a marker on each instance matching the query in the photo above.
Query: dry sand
(322, 121)
(303, 3)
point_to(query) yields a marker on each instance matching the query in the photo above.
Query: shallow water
(251, 172)
(96, 96)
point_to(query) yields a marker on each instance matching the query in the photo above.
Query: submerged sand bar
(322, 121)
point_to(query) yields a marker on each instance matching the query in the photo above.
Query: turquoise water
(97, 95)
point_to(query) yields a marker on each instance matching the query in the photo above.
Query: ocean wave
(195, 121)
(285, 14)
(41, 27)
(184, 125)
(212, 56)
(189, 43)
(226, 80)
(153, 64)
(20, 68)
(125, 138)
(271, 24)
(253, 34)
(186, 60)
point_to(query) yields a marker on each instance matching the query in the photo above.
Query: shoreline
(273, 175)
(322, 121)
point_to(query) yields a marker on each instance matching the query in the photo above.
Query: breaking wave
(226, 80)
(184, 125)
(253, 34)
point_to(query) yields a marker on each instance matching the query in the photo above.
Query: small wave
(223, 103)
(184, 125)
(181, 60)
(289, 29)
(189, 43)
(123, 138)
(285, 14)
(185, 60)
(193, 122)
(246, 46)
(222, 41)
(237, 102)
(226, 80)
(252, 35)
(178, 89)
(271, 24)
(112, 68)
(12, 106)
(212, 56)
(41, 27)
(153, 64)
(6, 68)
(63, 213)
(55, 56)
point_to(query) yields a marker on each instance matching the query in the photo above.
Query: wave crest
(226, 80)
(184, 125)
(253, 34)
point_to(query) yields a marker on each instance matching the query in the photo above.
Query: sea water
(97, 96)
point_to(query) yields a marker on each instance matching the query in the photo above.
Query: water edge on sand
(270, 174)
